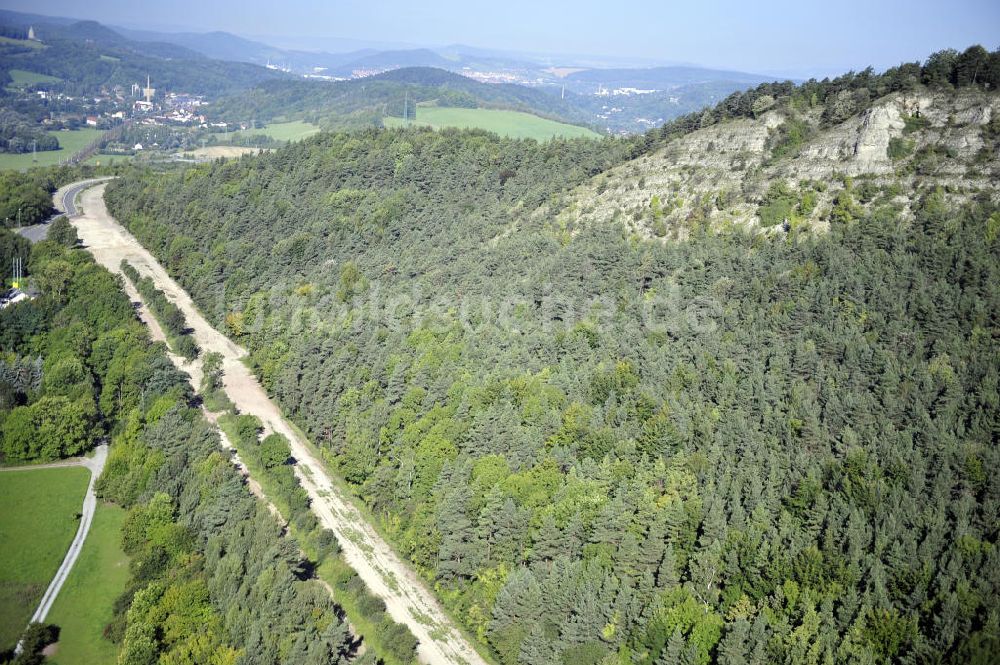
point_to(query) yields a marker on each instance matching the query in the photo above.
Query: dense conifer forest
(760, 443)
(742, 447)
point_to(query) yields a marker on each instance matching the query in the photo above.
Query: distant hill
(88, 55)
(218, 45)
(661, 78)
(363, 102)
(677, 89)
(396, 59)
(227, 46)
(101, 35)
(22, 19)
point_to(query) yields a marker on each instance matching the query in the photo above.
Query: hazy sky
(790, 36)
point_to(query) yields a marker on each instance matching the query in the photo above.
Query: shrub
(914, 123)
(62, 232)
(899, 148)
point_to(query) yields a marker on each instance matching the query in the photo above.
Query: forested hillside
(607, 447)
(213, 577)
(360, 103)
(87, 56)
(783, 156)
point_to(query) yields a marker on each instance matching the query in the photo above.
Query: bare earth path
(406, 598)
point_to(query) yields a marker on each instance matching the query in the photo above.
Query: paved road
(96, 466)
(406, 597)
(35, 232)
(65, 203)
(65, 200)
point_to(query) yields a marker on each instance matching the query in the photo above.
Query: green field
(86, 603)
(281, 131)
(21, 42)
(37, 523)
(506, 123)
(22, 78)
(70, 143)
(105, 160)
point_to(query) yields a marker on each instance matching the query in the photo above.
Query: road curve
(406, 597)
(65, 203)
(96, 466)
(65, 197)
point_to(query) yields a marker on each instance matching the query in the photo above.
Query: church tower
(148, 91)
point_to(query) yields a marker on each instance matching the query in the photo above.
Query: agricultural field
(106, 160)
(70, 143)
(224, 151)
(21, 78)
(37, 524)
(505, 123)
(295, 130)
(21, 42)
(86, 603)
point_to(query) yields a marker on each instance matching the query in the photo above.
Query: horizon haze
(766, 39)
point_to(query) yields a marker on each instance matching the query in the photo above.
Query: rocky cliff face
(728, 173)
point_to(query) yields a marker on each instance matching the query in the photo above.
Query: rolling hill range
(363, 102)
(656, 78)
(724, 392)
(227, 46)
(87, 55)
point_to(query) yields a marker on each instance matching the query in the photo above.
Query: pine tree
(674, 653)
(733, 647)
(547, 540)
(459, 554)
(655, 542)
(627, 556)
(537, 649)
(667, 575)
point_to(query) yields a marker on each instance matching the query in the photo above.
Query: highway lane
(65, 204)
(65, 198)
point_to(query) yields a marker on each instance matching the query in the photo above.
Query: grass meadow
(280, 131)
(505, 123)
(37, 523)
(21, 78)
(86, 603)
(70, 143)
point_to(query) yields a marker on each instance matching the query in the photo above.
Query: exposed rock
(720, 174)
(877, 126)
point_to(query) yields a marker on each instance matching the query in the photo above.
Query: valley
(391, 349)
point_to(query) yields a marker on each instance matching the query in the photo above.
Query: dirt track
(407, 600)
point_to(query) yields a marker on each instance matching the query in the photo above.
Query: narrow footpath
(96, 466)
